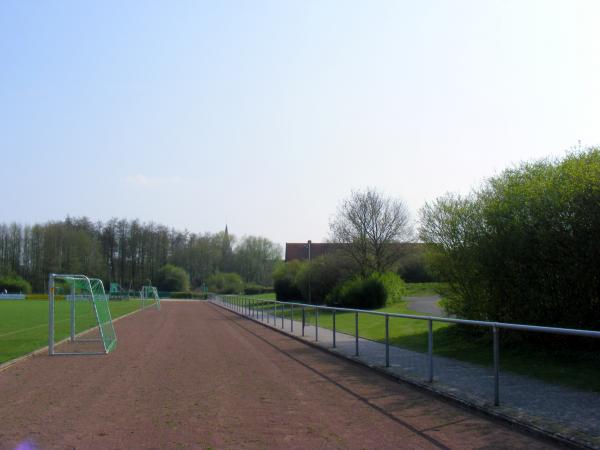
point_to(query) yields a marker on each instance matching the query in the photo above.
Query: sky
(265, 115)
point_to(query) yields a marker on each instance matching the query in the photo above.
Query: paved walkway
(426, 305)
(569, 412)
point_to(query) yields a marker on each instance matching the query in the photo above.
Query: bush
(395, 287)
(413, 267)
(360, 293)
(14, 284)
(225, 283)
(284, 280)
(253, 289)
(321, 275)
(524, 247)
(173, 278)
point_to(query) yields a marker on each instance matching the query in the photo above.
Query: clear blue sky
(265, 114)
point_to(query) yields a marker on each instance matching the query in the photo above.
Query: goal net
(150, 297)
(79, 304)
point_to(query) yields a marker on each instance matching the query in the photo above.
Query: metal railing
(255, 308)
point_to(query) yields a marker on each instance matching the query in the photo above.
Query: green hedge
(188, 295)
(43, 297)
(225, 283)
(284, 280)
(360, 293)
(252, 289)
(14, 284)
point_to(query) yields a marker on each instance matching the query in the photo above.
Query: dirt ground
(196, 376)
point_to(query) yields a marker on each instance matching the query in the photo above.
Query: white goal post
(150, 297)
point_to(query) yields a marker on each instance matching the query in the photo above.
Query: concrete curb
(20, 359)
(510, 420)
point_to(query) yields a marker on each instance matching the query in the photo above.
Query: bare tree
(367, 225)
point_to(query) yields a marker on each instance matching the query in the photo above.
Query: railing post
(303, 320)
(51, 315)
(262, 311)
(333, 328)
(72, 305)
(292, 319)
(282, 315)
(387, 341)
(496, 366)
(430, 348)
(275, 316)
(316, 323)
(356, 333)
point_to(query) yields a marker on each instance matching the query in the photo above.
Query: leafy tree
(255, 258)
(367, 224)
(523, 247)
(321, 275)
(173, 278)
(225, 283)
(284, 280)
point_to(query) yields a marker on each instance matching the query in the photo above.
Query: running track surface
(196, 376)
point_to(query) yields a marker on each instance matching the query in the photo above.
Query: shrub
(253, 288)
(413, 267)
(14, 284)
(173, 278)
(225, 283)
(523, 248)
(395, 288)
(321, 275)
(284, 280)
(360, 293)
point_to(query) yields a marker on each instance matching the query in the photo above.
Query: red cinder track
(196, 376)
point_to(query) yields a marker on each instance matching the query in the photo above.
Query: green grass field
(24, 323)
(575, 368)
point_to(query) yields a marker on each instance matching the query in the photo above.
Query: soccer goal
(84, 308)
(150, 297)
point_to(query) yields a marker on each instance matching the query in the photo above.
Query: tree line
(129, 252)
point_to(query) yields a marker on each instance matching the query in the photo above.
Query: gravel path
(194, 375)
(561, 410)
(426, 305)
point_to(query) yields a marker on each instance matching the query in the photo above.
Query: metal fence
(303, 319)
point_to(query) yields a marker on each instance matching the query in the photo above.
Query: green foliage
(254, 259)
(14, 284)
(524, 247)
(225, 283)
(412, 266)
(359, 292)
(321, 275)
(253, 288)
(395, 287)
(284, 280)
(173, 278)
(188, 295)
